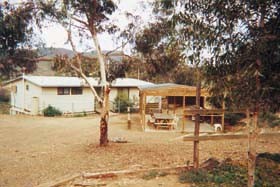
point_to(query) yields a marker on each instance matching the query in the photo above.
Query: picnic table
(164, 121)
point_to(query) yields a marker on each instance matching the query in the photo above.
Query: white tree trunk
(106, 90)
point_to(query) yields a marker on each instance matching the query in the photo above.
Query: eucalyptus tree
(246, 63)
(241, 40)
(87, 18)
(178, 39)
(15, 39)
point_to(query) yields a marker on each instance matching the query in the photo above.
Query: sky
(54, 35)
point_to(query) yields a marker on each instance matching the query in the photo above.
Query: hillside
(45, 67)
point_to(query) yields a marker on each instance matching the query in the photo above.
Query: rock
(119, 140)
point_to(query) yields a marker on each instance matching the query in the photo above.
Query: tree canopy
(15, 39)
(236, 42)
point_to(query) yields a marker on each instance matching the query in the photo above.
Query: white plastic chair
(218, 127)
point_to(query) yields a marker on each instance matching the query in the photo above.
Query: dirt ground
(35, 150)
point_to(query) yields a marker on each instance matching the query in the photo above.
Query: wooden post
(128, 118)
(197, 124)
(144, 112)
(252, 146)
(183, 118)
(223, 116)
(174, 106)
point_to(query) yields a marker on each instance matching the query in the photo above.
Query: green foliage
(274, 157)
(224, 175)
(163, 52)
(194, 176)
(51, 111)
(234, 118)
(270, 119)
(15, 38)
(229, 174)
(121, 103)
(89, 65)
(267, 170)
(242, 57)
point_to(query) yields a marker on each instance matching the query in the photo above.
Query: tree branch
(79, 70)
(80, 21)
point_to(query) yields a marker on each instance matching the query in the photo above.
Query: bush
(230, 174)
(194, 176)
(4, 95)
(51, 111)
(233, 118)
(267, 170)
(270, 119)
(121, 103)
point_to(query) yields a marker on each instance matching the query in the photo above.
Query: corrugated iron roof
(130, 82)
(54, 81)
(59, 81)
(165, 85)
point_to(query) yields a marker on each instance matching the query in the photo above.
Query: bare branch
(121, 46)
(80, 21)
(79, 70)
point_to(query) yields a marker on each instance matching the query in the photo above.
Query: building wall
(16, 94)
(31, 92)
(67, 103)
(132, 93)
(22, 94)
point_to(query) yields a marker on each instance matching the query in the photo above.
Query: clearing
(35, 150)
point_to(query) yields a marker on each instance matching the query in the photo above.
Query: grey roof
(56, 81)
(59, 81)
(158, 86)
(130, 82)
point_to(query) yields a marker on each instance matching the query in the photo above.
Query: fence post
(119, 106)
(128, 118)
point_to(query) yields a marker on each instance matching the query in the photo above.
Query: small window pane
(66, 91)
(60, 91)
(63, 91)
(77, 91)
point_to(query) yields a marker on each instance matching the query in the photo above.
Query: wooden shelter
(168, 90)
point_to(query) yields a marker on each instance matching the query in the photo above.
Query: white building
(31, 94)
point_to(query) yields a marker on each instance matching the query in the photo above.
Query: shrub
(234, 118)
(270, 119)
(4, 95)
(194, 176)
(230, 174)
(51, 111)
(267, 170)
(121, 103)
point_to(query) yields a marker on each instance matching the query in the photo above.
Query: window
(27, 87)
(77, 91)
(63, 91)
